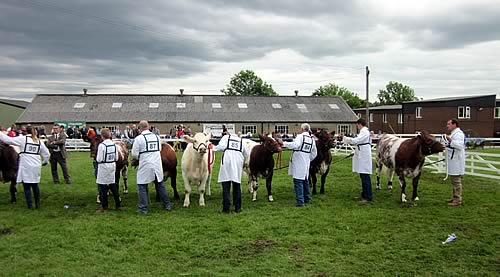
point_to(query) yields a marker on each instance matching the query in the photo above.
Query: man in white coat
(30, 164)
(146, 149)
(106, 158)
(362, 159)
(455, 155)
(304, 151)
(231, 169)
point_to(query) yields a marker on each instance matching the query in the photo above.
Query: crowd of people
(146, 149)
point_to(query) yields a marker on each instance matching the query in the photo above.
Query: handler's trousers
(456, 182)
(57, 158)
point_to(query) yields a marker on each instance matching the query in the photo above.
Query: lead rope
(445, 139)
(279, 161)
(211, 158)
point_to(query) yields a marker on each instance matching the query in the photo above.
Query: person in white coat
(146, 149)
(231, 169)
(455, 155)
(304, 151)
(30, 163)
(362, 159)
(107, 155)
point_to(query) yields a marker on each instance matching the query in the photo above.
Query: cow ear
(188, 139)
(262, 137)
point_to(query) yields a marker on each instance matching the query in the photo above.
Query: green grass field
(333, 236)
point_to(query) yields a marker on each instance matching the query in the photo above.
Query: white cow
(195, 166)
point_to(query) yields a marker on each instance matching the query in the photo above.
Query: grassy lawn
(333, 236)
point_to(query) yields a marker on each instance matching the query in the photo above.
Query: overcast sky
(439, 48)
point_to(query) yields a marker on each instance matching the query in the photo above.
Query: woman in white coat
(231, 169)
(362, 159)
(106, 158)
(30, 163)
(455, 155)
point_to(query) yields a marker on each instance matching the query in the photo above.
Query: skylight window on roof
(276, 106)
(302, 108)
(216, 106)
(79, 105)
(154, 105)
(334, 106)
(116, 105)
(242, 105)
(198, 99)
(181, 105)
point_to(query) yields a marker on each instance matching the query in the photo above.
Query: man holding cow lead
(362, 159)
(455, 155)
(106, 158)
(304, 151)
(231, 169)
(146, 149)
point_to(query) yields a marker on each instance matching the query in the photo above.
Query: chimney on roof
(84, 92)
(182, 91)
(296, 92)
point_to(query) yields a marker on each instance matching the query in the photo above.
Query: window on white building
(400, 118)
(344, 129)
(282, 129)
(464, 112)
(245, 129)
(497, 112)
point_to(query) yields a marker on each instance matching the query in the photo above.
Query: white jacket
(150, 166)
(30, 164)
(304, 151)
(235, 153)
(107, 155)
(362, 159)
(455, 152)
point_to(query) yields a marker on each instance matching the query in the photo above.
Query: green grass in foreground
(333, 236)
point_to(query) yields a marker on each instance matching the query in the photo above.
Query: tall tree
(246, 83)
(396, 93)
(332, 89)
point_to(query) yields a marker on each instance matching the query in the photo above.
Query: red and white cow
(405, 157)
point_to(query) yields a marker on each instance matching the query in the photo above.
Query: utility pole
(367, 104)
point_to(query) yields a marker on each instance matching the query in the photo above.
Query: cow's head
(94, 143)
(325, 139)
(270, 144)
(429, 144)
(200, 142)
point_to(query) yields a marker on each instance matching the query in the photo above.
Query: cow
(321, 164)
(9, 164)
(196, 165)
(121, 163)
(406, 158)
(260, 163)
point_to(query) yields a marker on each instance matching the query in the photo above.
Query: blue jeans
(366, 184)
(302, 193)
(142, 190)
(226, 188)
(27, 194)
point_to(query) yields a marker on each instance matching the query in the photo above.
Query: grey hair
(306, 127)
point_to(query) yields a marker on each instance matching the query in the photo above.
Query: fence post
(471, 163)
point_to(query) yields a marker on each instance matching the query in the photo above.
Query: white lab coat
(30, 165)
(150, 166)
(105, 168)
(233, 158)
(300, 160)
(362, 159)
(456, 165)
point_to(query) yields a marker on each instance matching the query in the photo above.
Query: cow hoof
(271, 199)
(389, 187)
(416, 199)
(377, 187)
(125, 191)
(403, 198)
(186, 205)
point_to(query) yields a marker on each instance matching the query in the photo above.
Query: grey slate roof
(443, 99)
(16, 103)
(384, 107)
(46, 108)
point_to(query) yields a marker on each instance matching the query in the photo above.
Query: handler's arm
(9, 140)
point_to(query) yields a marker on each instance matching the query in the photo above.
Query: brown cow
(9, 163)
(321, 164)
(405, 157)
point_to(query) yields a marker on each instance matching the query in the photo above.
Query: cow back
(9, 162)
(168, 157)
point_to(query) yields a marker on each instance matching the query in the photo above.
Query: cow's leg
(173, 183)
(208, 184)
(201, 191)
(415, 187)
(125, 179)
(379, 169)
(13, 192)
(117, 181)
(269, 186)
(402, 183)
(313, 180)
(255, 186)
(323, 180)
(187, 190)
(391, 176)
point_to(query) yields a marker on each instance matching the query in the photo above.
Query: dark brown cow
(261, 164)
(405, 157)
(121, 164)
(321, 164)
(169, 165)
(9, 163)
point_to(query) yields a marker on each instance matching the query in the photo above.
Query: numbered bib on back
(152, 143)
(234, 144)
(31, 148)
(110, 154)
(307, 144)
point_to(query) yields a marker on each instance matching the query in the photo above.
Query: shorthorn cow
(321, 164)
(9, 163)
(405, 157)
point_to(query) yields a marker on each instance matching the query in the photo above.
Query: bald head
(306, 127)
(143, 125)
